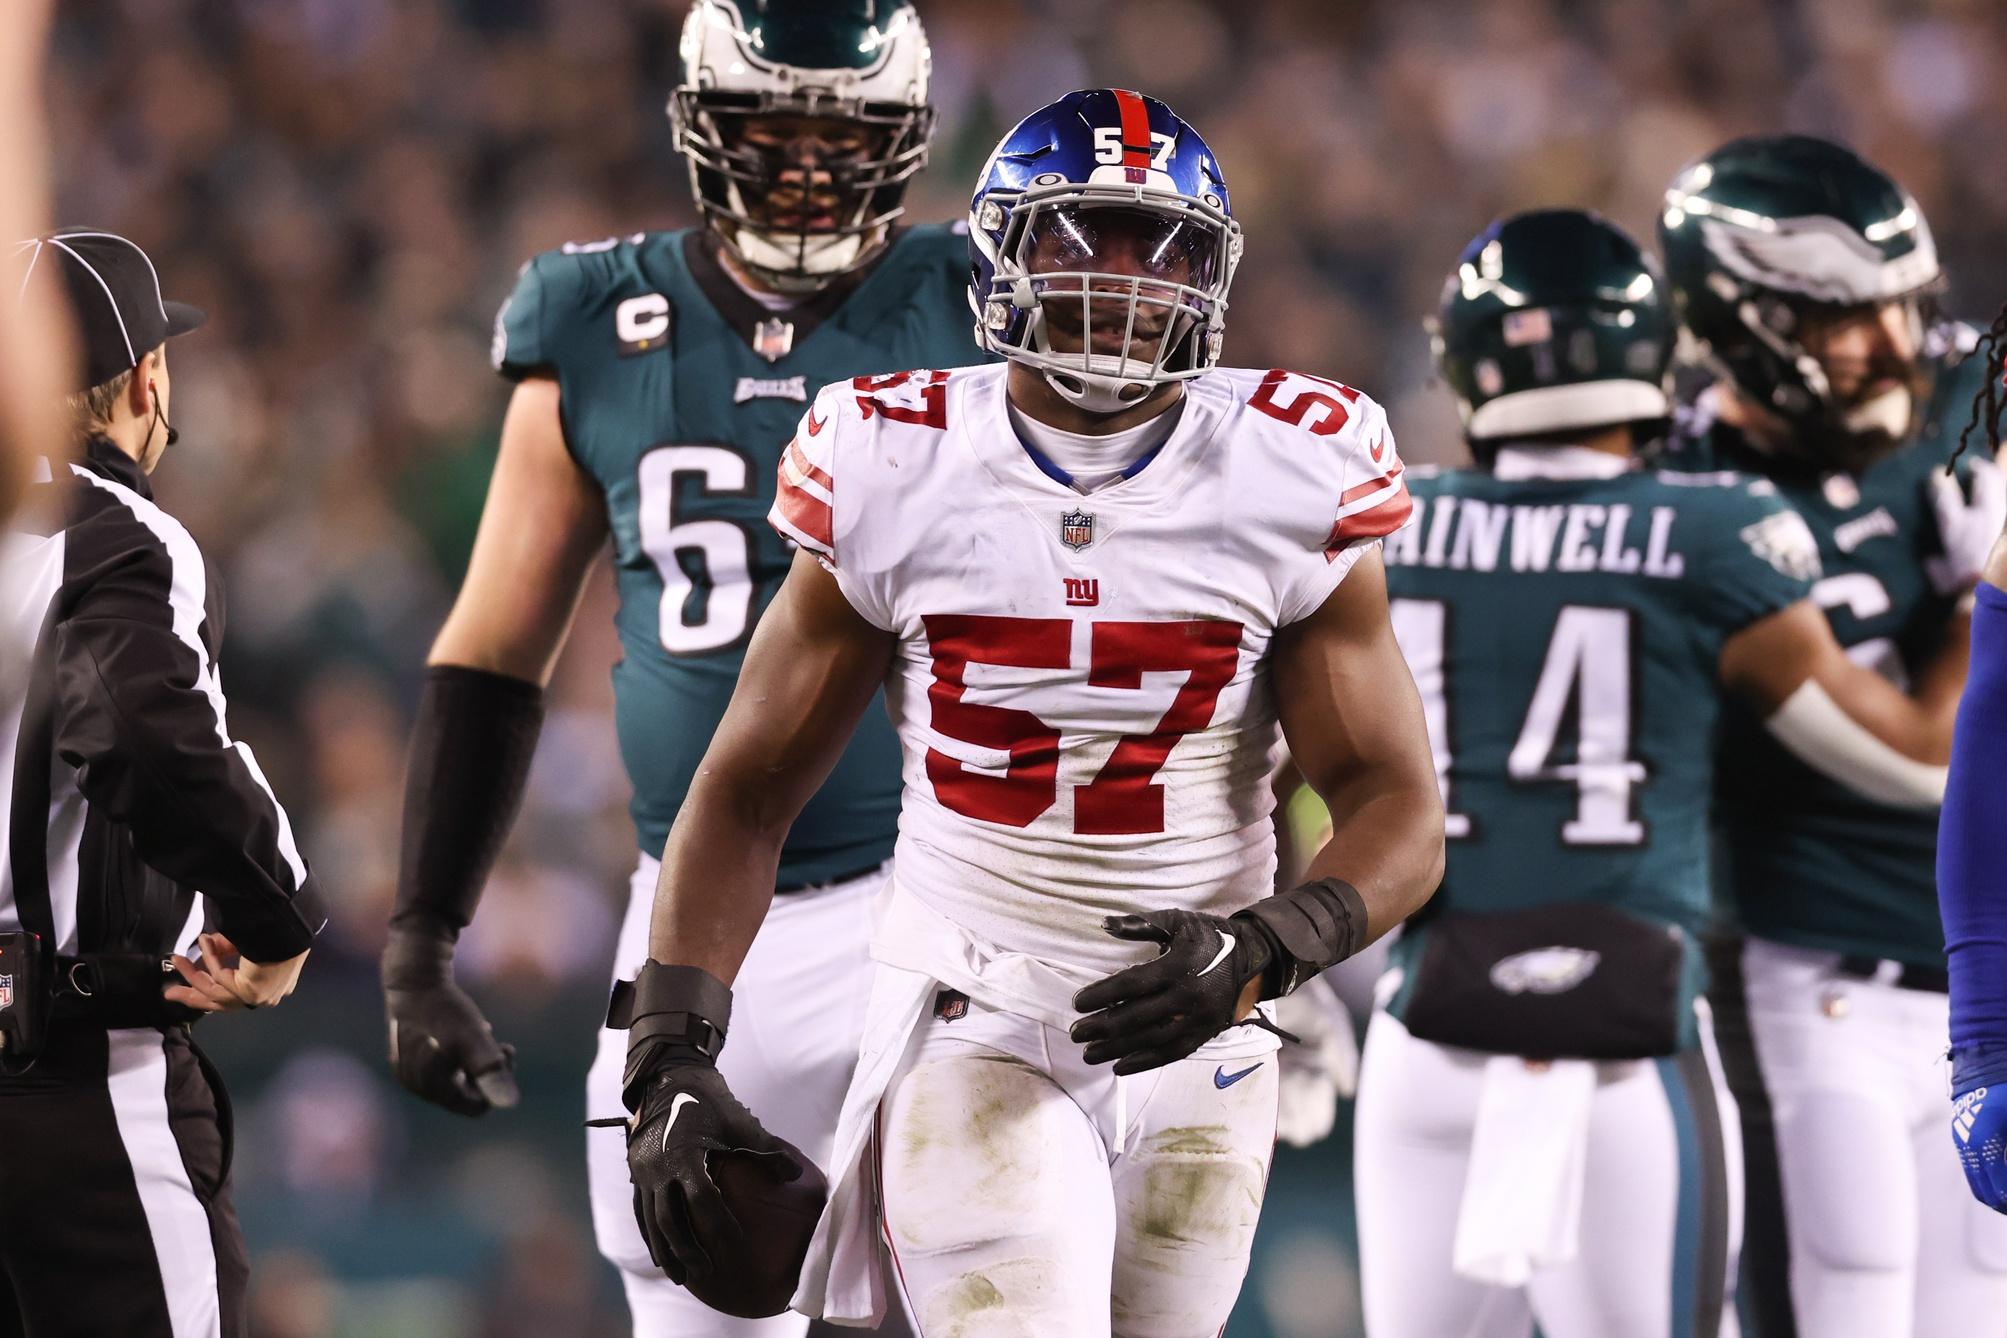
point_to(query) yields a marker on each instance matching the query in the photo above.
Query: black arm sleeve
(141, 716)
(470, 759)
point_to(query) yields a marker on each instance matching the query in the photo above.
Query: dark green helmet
(1554, 322)
(864, 64)
(1767, 231)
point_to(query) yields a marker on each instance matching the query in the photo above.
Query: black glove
(440, 1046)
(683, 1113)
(1148, 1015)
(675, 1017)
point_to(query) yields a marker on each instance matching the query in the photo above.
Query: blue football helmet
(1101, 247)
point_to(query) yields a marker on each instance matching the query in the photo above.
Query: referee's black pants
(115, 1212)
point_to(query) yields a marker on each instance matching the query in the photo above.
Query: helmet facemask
(802, 186)
(1842, 409)
(1109, 291)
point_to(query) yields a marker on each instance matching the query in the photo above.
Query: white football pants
(1660, 1210)
(1027, 1194)
(1853, 1178)
(797, 1013)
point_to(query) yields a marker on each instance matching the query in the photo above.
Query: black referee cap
(114, 294)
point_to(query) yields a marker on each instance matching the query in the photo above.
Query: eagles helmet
(1555, 321)
(1102, 223)
(1769, 233)
(862, 63)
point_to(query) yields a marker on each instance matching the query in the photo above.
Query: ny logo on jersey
(1076, 529)
(1081, 592)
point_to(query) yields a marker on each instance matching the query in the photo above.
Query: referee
(137, 831)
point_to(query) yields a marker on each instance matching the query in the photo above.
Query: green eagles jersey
(679, 391)
(1804, 859)
(1565, 634)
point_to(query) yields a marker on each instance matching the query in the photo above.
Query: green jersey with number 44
(680, 390)
(1564, 618)
(1804, 859)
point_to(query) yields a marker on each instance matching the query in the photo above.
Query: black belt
(848, 875)
(118, 989)
(1934, 979)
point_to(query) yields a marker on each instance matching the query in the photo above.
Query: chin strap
(1094, 392)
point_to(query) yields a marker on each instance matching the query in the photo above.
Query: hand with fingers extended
(1206, 979)
(217, 986)
(441, 1048)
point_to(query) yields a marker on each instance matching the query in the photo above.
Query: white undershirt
(1095, 462)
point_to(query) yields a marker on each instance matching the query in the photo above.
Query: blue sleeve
(1972, 838)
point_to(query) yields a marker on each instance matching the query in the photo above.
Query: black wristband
(414, 961)
(1310, 928)
(470, 759)
(673, 1015)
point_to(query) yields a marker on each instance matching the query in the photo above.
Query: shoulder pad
(556, 292)
(1328, 445)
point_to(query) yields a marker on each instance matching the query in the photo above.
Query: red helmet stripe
(1135, 128)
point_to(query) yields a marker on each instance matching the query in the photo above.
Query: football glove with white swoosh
(1158, 1011)
(1162, 1010)
(683, 1113)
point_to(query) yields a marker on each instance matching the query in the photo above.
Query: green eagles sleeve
(1761, 557)
(524, 343)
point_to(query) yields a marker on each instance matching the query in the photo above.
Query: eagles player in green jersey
(658, 378)
(1543, 1129)
(1804, 275)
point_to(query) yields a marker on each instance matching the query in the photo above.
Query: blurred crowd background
(349, 186)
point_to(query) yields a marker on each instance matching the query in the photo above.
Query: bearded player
(1804, 274)
(1544, 1134)
(657, 377)
(1093, 583)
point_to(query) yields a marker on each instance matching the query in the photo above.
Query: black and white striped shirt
(129, 804)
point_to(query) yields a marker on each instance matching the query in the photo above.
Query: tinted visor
(1132, 243)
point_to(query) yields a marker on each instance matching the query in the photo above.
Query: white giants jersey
(1079, 685)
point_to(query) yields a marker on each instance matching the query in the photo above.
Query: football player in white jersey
(1093, 580)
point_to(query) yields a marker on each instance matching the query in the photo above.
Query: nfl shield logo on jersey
(6, 991)
(773, 339)
(1076, 529)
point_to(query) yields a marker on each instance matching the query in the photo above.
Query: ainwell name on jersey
(658, 377)
(1541, 1113)
(1093, 582)
(1804, 272)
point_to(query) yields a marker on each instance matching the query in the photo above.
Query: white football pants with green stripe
(1659, 1214)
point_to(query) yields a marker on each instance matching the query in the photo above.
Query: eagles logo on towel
(1553, 970)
